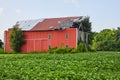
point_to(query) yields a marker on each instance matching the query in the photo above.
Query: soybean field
(77, 66)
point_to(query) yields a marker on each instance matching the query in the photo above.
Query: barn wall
(38, 41)
(6, 43)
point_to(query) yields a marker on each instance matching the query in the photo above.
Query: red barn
(42, 34)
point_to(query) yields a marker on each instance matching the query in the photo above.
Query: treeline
(105, 40)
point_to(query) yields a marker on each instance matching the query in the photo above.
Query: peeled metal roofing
(49, 23)
(28, 24)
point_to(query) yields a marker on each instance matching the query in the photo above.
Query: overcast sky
(103, 13)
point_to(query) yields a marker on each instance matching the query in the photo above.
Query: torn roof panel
(28, 24)
(52, 22)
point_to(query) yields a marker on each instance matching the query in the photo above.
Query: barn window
(66, 46)
(49, 36)
(67, 36)
(49, 47)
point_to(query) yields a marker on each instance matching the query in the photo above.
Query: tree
(117, 39)
(84, 26)
(91, 37)
(104, 41)
(1, 43)
(107, 40)
(85, 29)
(16, 38)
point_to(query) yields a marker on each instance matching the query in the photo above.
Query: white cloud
(72, 2)
(1, 11)
(18, 11)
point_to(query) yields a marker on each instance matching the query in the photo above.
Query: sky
(103, 13)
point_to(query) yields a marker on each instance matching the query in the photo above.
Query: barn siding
(38, 40)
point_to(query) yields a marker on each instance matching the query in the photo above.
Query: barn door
(37, 45)
(44, 46)
(30, 45)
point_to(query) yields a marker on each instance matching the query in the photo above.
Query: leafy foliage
(1, 43)
(91, 37)
(88, 66)
(85, 28)
(81, 47)
(62, 50)
(1, 51)
(86, 25)
(102, 39)
(117, 39)
(16, 38)
(107, 40)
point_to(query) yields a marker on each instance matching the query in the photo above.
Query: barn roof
(44, 24)
(28, 24)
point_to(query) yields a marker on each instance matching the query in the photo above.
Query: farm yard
(67, 58)
(77, 66)
(59, 40)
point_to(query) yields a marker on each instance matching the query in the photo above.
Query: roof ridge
(63, 17)
(50, 18)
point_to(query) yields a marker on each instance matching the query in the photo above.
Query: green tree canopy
(107, 40)
(102, 40)
(117, 39)
(85, 31)
(1, 43)
(86, 25)
(16, 38)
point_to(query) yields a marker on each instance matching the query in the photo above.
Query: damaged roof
(47, 23)
(28, 24)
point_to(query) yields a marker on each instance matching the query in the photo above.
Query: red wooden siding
(38, 40)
